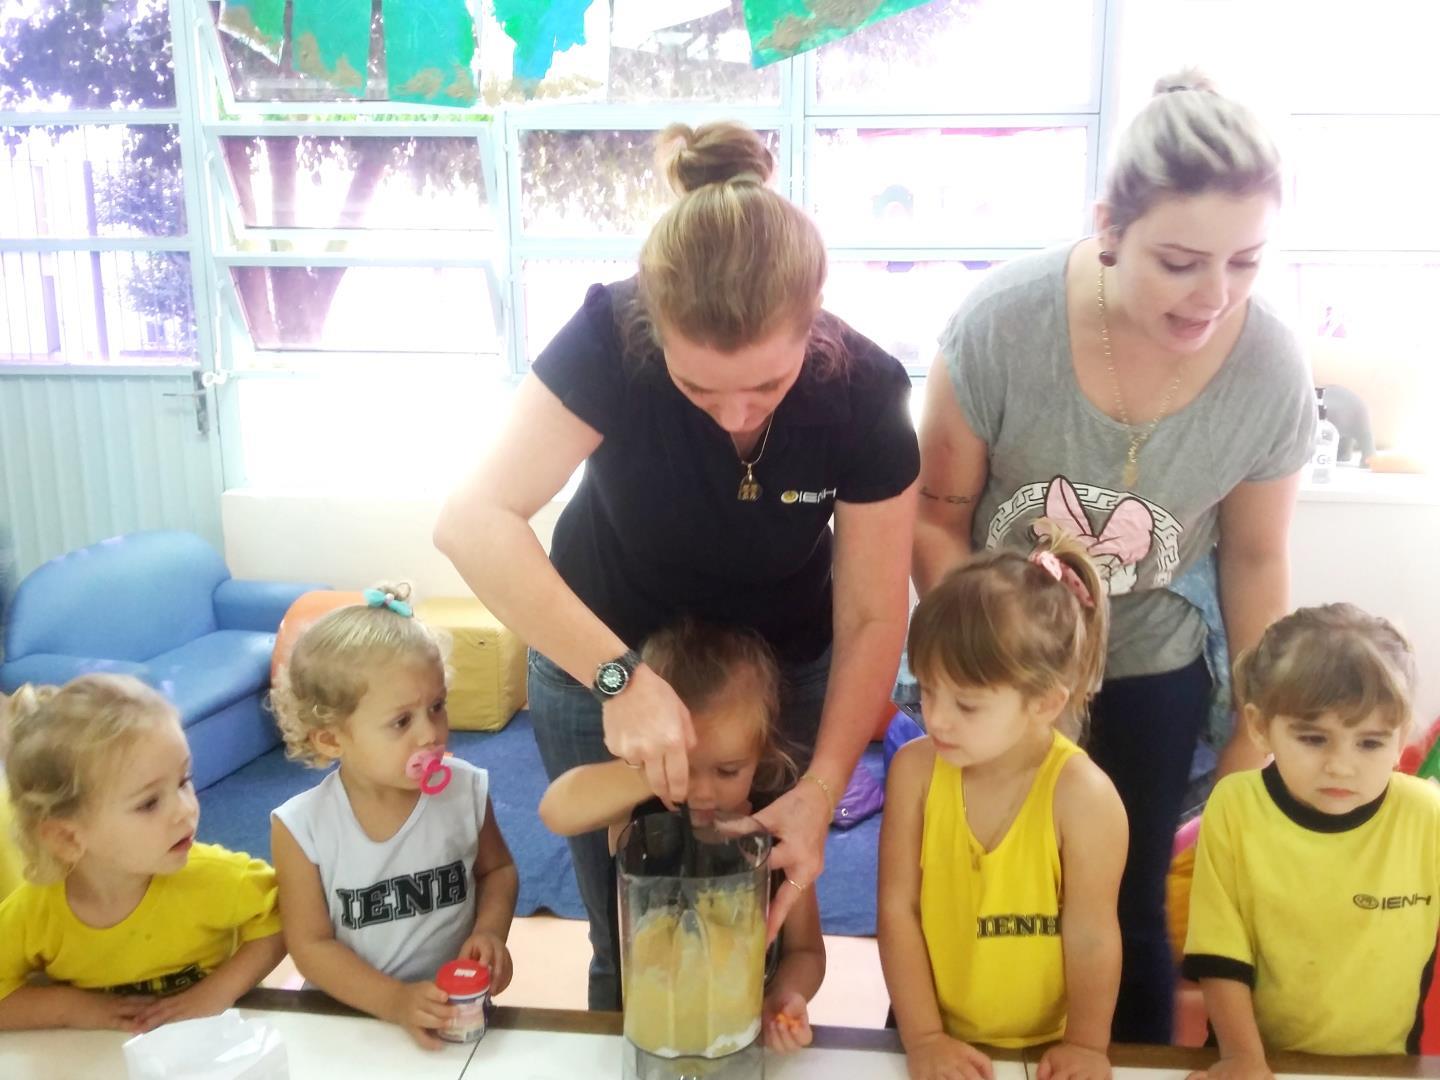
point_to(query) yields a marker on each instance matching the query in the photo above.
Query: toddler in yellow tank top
(1002, 844)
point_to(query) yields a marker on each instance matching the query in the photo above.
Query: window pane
(333, 182)
(94, 180)
(103, 307)
(404, 309)
(1395, 158)
(86, 54)
(680, 50)
(1316, 56)
(1380, 302)
(901, 306)
(958, 186)
(554, 290)
(1385, 49)
(1368, 328)
(963, 56)
(357, 433)
(579, 183)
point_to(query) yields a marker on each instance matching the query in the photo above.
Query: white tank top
(406, 905)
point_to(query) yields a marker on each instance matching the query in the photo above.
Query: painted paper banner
(429, 51)
(332, 41)
(540, 29)
(783, 28)
(258, 23)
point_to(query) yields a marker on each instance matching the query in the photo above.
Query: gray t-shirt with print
(1054, 454)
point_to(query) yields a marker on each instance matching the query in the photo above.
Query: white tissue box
(224, 1047)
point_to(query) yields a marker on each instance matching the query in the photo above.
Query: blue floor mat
(235, 812)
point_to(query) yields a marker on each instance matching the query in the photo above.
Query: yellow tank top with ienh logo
(992, 919)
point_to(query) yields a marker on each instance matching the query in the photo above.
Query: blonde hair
(708, 665)
(1336, 658)
(731, 261)
(1189, 140)
(326, 676)
(55, 741)
(1002, 619)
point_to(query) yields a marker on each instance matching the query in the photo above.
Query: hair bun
(718, 153)
(398, 590)
(19, 709)
(1190, 78)
(25, 704)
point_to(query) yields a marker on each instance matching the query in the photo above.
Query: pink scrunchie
(1051, 564)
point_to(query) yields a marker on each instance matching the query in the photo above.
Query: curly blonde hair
(326, 677)
(57, 742)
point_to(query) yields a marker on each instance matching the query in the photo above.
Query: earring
(1107, 258)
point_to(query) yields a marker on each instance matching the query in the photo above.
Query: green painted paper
(429, 49)
(258, 23)
(540, 29)
(783, 28)
(332, 41)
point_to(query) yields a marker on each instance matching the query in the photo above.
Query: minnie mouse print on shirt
(1125, 534)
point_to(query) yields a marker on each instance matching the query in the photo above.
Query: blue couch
(160, 606)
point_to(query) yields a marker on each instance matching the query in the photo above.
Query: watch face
(611, 678)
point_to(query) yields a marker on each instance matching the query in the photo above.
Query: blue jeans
(569, 732)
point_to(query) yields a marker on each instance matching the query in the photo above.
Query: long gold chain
(1130, 476)
(749, 486)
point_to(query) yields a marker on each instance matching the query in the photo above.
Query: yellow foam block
(487, 663)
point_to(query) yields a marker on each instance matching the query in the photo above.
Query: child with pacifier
(131, 922)
(1002, 843)
(393, 865)
(1316, 900)
(728, 680)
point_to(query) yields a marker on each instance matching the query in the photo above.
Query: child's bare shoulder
(916, 756)
(1082, 787)
(909, 773)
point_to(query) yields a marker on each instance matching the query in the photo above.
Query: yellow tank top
(992, 919)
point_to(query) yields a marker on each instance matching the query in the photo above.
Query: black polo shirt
(655, 530)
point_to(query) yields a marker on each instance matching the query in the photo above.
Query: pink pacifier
(428, 767)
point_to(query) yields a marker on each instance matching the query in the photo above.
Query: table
(327, 1040)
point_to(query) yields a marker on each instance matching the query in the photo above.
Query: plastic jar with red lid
(467, 983)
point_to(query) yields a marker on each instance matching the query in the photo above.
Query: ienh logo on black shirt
(792, 496)
(403, 897)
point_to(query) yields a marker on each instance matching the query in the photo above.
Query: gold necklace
(1130, 476)
(749, 486)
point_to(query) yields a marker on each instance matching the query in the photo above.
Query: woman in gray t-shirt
(1131, 389)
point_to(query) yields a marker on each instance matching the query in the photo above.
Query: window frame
(184, 243)
(206, 111)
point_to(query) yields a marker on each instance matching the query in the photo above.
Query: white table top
(345, 1046)
(528, 1044)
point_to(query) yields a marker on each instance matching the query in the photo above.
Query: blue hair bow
(376, 598)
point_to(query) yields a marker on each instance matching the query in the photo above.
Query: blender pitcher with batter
(693, 906)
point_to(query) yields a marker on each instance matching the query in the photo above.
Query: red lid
(463, 978)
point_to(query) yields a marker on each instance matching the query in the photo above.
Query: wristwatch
(613, 676)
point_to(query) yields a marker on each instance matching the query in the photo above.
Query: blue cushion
(212, 672)
(127, 598)
(229, 739)
(51, 669)
(256, 605)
